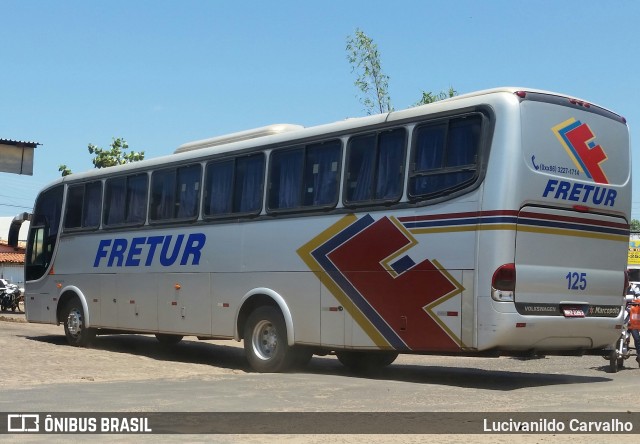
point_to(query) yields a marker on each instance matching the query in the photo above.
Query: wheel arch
(67, 294)
(259, 297)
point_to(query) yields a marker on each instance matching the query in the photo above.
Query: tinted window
(375, 167)
(126, 200)
(83, 206)
(321, 174)
(234, 186)
(92, 206)
(43, 233)
(445, 156)
(73, 214)
(175, 193)
(305, 177)
(285, 190)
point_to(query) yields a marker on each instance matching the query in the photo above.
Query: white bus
(490, 223)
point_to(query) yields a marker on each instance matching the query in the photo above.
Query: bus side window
(92, 205)
(137, 199)
(375, 167)
(83, 206)
(234, 186)
(305, 178)
(321, 173)
(175, 193)
(360, 168)
(188, 193)
(249, 184)
(73, 213)
(285, 179)
(115, 201)
(445, 156)
(391, 151)
(163, 188)
(126, 200)
(218, 188)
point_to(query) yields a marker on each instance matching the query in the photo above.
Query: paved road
(133, 373)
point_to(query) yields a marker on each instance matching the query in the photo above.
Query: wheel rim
(264, 340)
(74, 322)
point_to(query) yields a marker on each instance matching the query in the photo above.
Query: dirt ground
(113, 361)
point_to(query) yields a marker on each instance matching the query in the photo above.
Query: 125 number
(576, 281)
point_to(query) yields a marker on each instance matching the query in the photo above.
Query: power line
(15, 206)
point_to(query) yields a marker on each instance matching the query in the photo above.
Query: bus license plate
(573, 313)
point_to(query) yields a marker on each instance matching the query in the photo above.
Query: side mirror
(14, 228)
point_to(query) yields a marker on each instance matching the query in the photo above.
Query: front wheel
(75, 328)
(265, 341)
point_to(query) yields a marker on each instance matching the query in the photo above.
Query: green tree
(429, 97)
(363, 55)
(373, 84)
(115, 155)
(634, 225)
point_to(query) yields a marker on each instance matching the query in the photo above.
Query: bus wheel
(302, 356)
(366, 362)
(613, 362)
(265, 341)
(168, 340)
(75, 330)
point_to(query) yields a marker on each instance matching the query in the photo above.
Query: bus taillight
(503, 283)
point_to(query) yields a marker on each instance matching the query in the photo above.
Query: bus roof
(282, 133)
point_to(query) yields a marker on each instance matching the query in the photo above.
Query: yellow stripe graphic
(305, 254)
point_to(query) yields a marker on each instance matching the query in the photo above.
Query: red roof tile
(11, 258)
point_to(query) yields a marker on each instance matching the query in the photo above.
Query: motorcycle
(10, 298)
(622, 349)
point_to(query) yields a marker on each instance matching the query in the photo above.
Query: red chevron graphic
(400, 301)
(579, 138)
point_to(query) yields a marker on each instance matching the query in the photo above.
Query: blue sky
(162, 73)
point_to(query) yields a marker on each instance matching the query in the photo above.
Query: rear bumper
(515, 332)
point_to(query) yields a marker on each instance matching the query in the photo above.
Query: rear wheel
(75, 327)
(366, 362)
(167, 339)
(265, 341)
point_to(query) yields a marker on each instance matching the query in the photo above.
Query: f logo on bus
(578, 141)
(366, 265)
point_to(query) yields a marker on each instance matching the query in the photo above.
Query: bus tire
(366, 362)
(265, 341)
(75, 329)
(302, 357)
(168, 340)
(613, 362)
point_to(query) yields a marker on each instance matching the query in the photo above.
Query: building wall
(13, 273)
